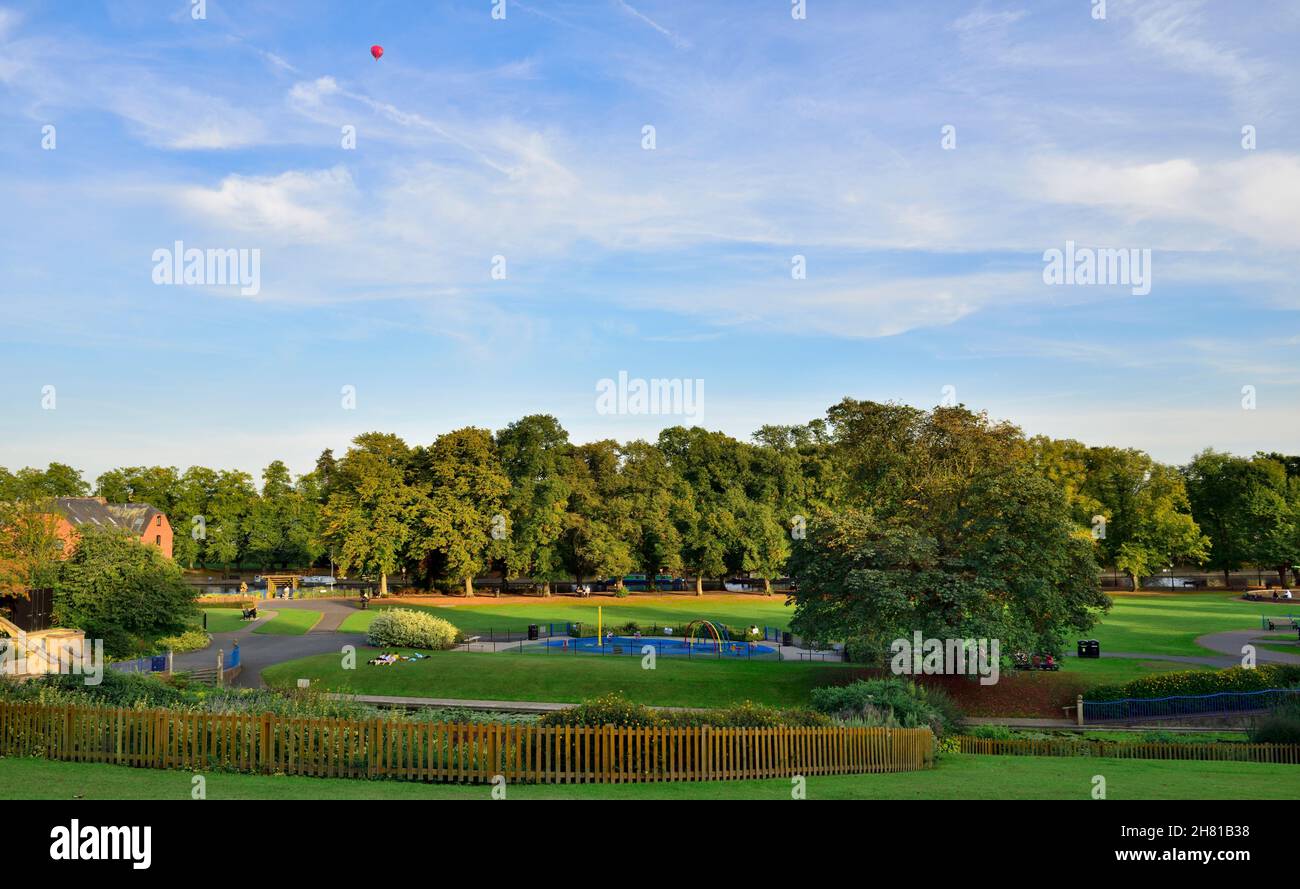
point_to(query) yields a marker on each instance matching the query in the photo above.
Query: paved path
(1231, 641)
(257, 651)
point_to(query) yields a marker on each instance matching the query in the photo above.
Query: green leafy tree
(535, 453)
(30, 546)
(465, 490)
(56, 480)
(117, 589)
(369, 517)
(949, 529)
(598, 517)
(661, 505)
(1148, 518)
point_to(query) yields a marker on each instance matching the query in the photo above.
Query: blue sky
(523, 138)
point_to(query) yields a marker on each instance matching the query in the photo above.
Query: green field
(675, 682)
(225, 620)
(675, 612)
(1106, 671)
(954, 777)
(1169, 624)
(289, 622)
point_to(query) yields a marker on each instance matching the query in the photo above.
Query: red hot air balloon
(376, 51)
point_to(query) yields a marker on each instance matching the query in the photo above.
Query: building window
(158, 539)
(158, 521)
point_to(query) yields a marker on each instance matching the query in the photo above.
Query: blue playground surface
(631, 645)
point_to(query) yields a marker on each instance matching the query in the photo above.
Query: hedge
(1200, 682)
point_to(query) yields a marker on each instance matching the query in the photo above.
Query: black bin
(1089, 648)
(787, 638)
(533, 633)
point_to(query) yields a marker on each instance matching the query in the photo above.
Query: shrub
(890, 702)
(193, 639)
(401, 627)
(990, 732)
(746, 715)
(1200, 682)
(611, 709)
(1282, 726)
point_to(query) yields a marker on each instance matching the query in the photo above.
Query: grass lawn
(955, 777)
(675, 682)
(659, 611)
(1110, 670)
(1168, 623)
(224, 620)
(290, 622)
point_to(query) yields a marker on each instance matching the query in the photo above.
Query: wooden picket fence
(1212, 752)
(380, 748)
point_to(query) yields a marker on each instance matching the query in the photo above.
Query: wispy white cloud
(676, 39)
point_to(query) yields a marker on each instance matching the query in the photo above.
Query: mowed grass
(1169, 623)
(954, 777)
(675, 682)
(224, 620)
(658, 611)
(290, 622)
(1111, 670)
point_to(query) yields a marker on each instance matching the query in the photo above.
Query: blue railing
(153, 663)
(1188, 705)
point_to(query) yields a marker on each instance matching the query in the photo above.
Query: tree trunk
(469, 587)
(546, 590)
(1134, 580)
(1281, 575)
(699, 584)
(1227, 579)
(767, 586)
(505, 580)
(383, 583)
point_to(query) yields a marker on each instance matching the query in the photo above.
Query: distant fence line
(1188, 705)
(1219, 752)
(441, 752)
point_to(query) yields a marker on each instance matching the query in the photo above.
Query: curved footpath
(257, 651)
(1230, 642)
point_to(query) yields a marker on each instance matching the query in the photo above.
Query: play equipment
(695, 627)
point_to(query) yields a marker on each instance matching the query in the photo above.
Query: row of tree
(527, 502)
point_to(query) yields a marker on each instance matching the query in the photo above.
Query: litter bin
(1094, 648)
(1082, 649)
(787, 638)
(533, 634)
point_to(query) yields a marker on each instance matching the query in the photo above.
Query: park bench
(471, 639)
(250, 613)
